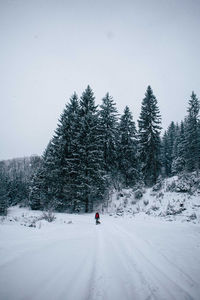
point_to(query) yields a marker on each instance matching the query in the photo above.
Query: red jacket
(97, 215)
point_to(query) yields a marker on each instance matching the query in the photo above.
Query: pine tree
(178, 163)
(192, 134)
(169, 148)
(37, 195)
(51, 187)
(64, 142)
(4, 194)
(108, 127)
(165, 156)
(127, 149)
(91, 153)
(175, 143)
(40, 195)
(72, 158)
(149, 138)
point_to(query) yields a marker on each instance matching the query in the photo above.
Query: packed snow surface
(123, 258)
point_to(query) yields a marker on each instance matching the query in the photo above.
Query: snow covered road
(121, 259)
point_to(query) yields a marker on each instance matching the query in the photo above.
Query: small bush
(125, 202)
(146, 202)
(138, 194)
(133, 202)
(120, 211)
(183, 187)
(193, 216)
(160, 195)
(157, 187)
(171, 186)
(154, 207)
(49, 216)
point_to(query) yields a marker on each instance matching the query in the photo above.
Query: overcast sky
(49, 49)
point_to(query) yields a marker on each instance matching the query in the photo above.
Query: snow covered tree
(65, 163)
(91, 153)
(40, 186)
(192, 135)
(149, 138)
(51, 185)
(37, 194)
(178, 163)
(165, 156)
(127, 148)
(108, 128)
(181, 141)
(168, 146)
(4, 193)
(72, 157)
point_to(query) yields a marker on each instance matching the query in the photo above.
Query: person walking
(97, 217)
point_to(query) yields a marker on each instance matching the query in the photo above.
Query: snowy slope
(172, 199)
(71, 258)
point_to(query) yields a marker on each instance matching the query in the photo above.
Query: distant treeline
(95, 149)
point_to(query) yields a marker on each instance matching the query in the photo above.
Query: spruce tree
(149, 138)
(165, 156)
(37, 195)
(178, 163)
(91, 171)
(169, 148)
(127, 148)
(192, 134)
(4, 194)
(41, 189)
(72, 157)
(51, 187)
(108, 127)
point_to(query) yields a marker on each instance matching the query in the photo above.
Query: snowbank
(176, 198)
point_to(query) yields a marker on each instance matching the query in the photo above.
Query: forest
(95, 149)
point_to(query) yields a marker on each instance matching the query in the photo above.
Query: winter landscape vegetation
(146, 187)
(100, 113)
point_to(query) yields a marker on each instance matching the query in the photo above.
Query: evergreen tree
(37, 195)
(178, 163)
(65, 163)
(181, 141)
(165, 156)
(171, 138)
(72, 159)
(51, 187)
(40, 187)
(4, 194)
(149, 138)
(108, 127)
(91, 153)
(127, 151)
(192, 135)
(176, 142)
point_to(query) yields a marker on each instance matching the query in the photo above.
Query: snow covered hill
(176, 198)
(71, 258)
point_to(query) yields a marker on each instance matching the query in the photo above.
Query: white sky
(49, 49)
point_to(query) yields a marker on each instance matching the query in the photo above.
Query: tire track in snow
(58, 270)
(166, 284)
(176, 269)
(77, 272)
(114, 276)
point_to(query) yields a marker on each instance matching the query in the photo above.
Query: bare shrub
(133, 202)
(154, 207)
(146, 202)
(138, 194)
(48, 215)
(157, 186)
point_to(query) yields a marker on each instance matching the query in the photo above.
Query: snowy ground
(123, 258)
(175, 200)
